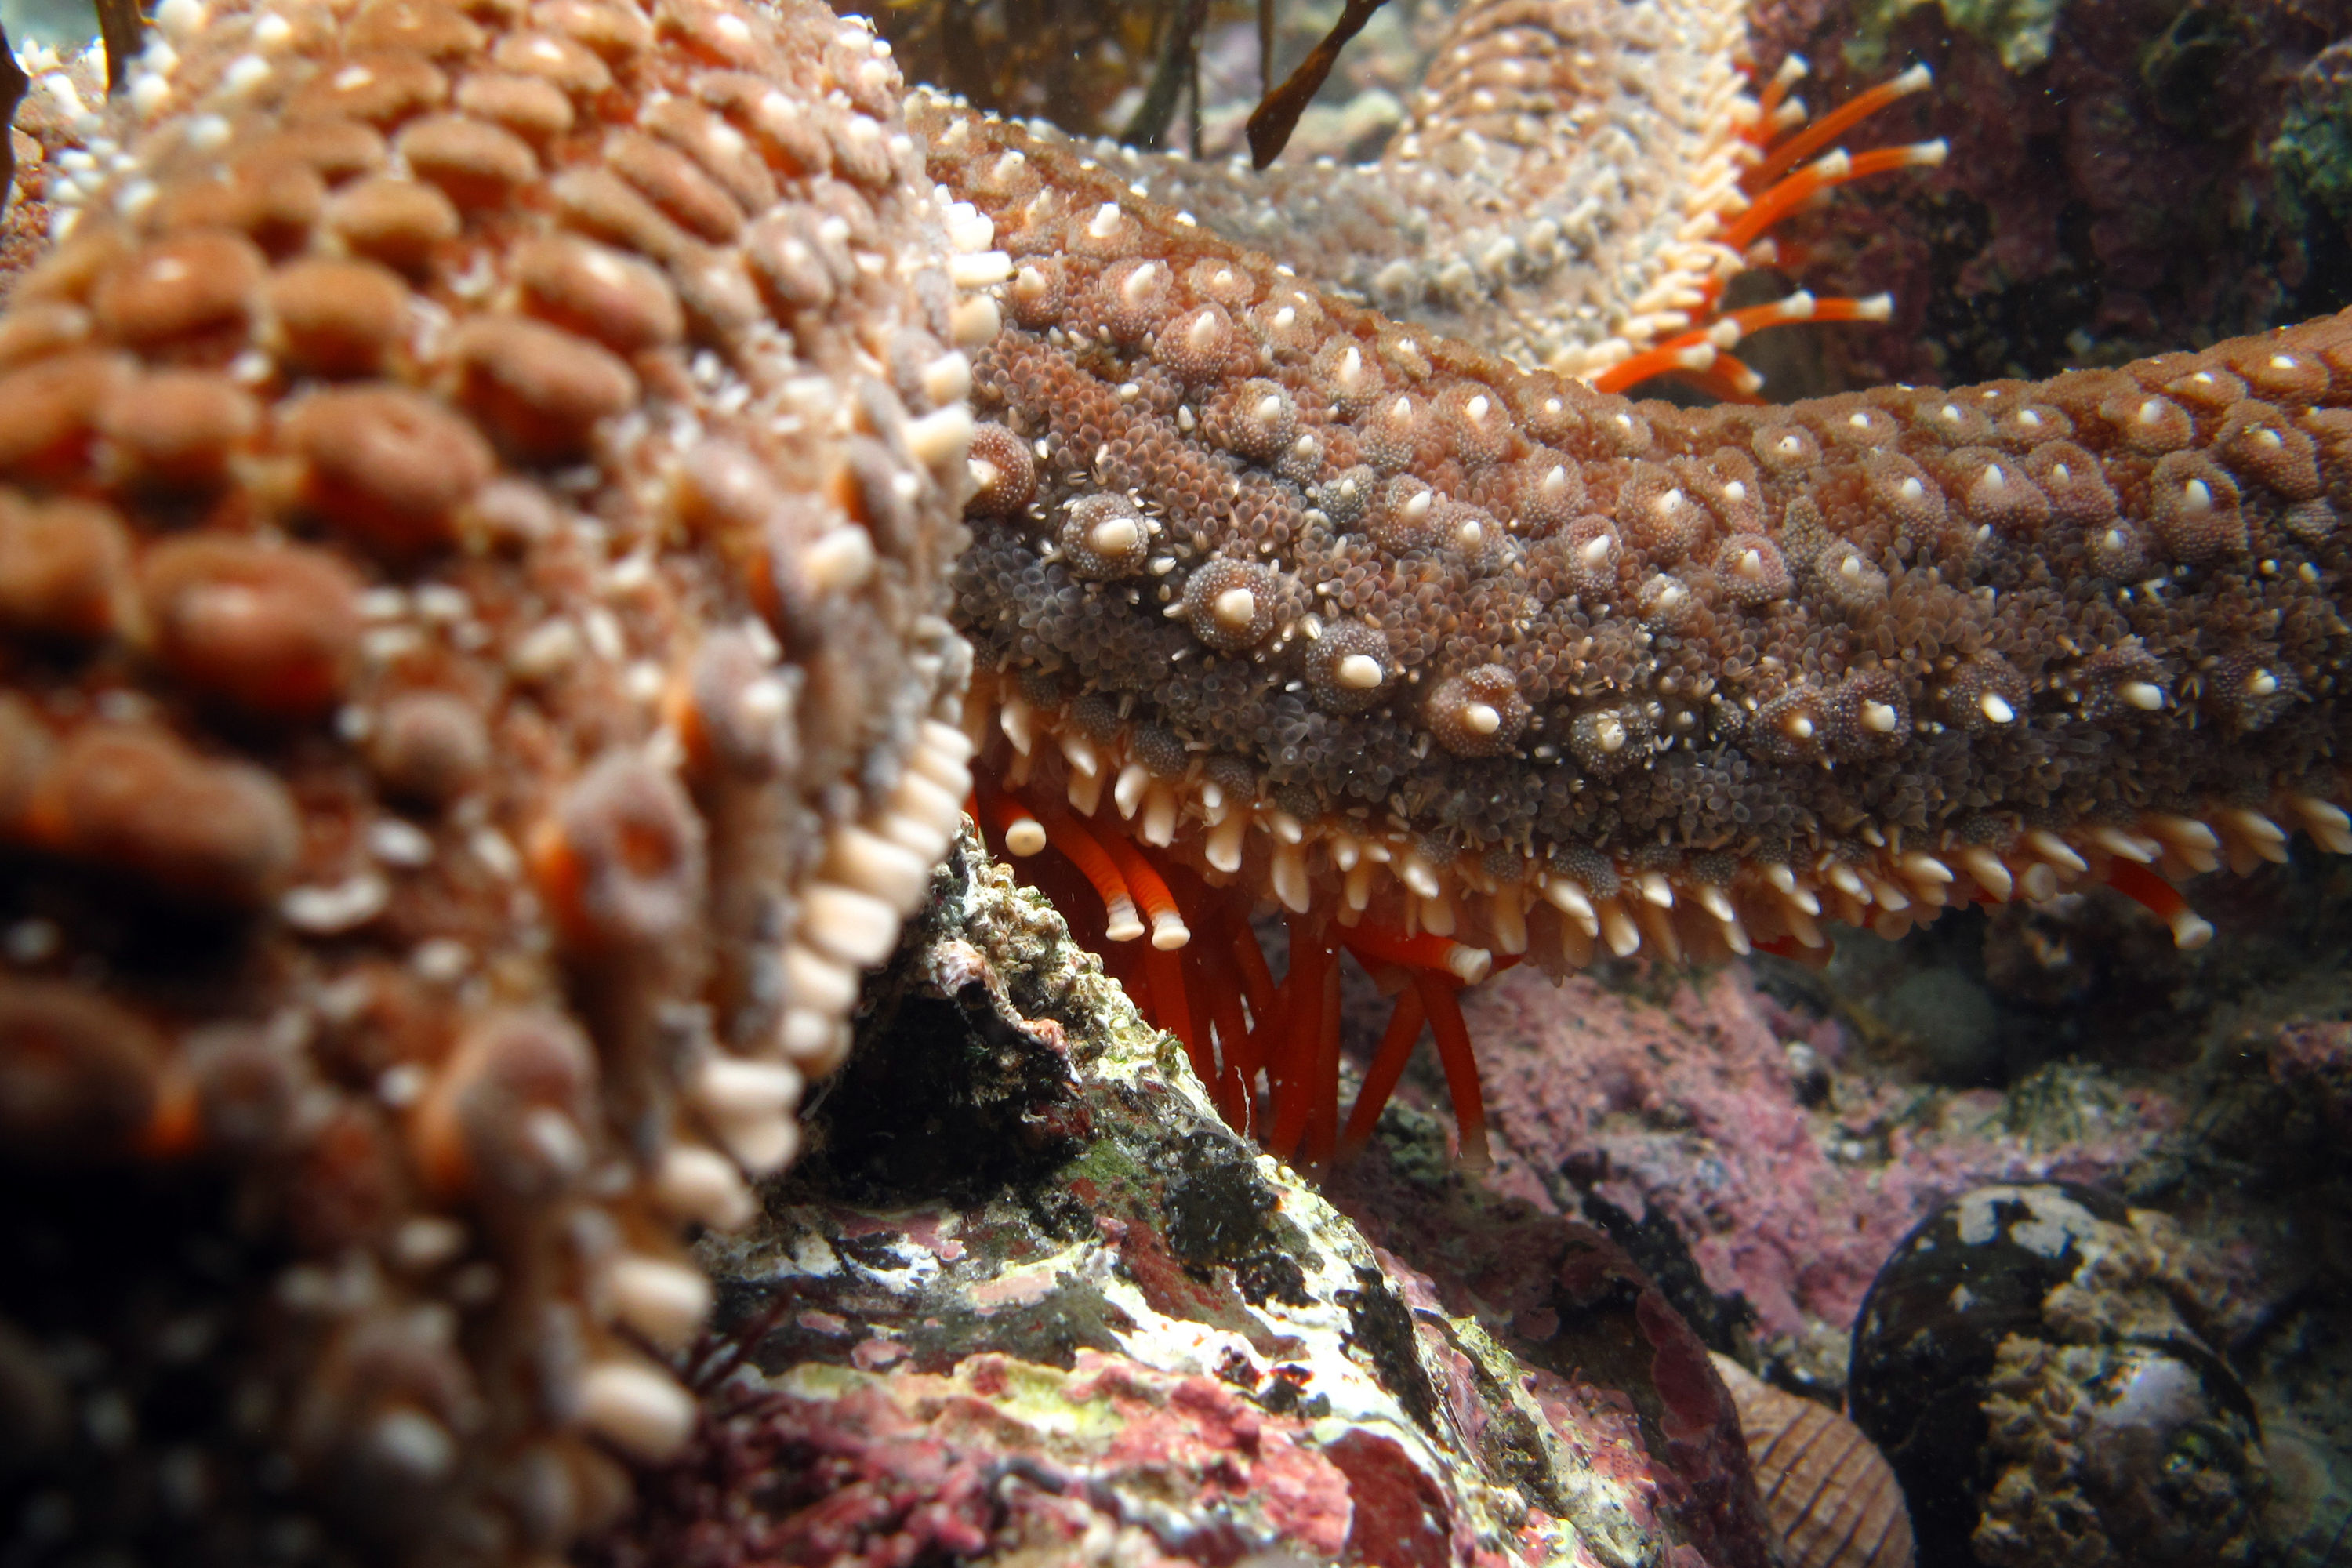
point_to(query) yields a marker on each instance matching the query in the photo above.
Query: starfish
(1572, 192)
(475, 490)
(1277, 599)
(478, 492)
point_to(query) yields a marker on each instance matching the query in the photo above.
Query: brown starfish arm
(1377, 623)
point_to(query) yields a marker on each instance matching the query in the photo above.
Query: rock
(1062, 1310)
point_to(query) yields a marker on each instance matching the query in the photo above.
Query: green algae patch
(2019, 31)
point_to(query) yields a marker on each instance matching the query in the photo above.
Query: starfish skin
(1547, 196)
(478, 486)
(1566, 192)
(1393, 634)
(475, 490)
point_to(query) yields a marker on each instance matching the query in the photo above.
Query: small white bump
(840, 560)
(641, 1408)
(2326, 822)
(947, 378)
(1990, 873)
(327, 911)
(1135, 289)
(856, 927)
(398, 843)
(941, 437)
(662, 1300)
(858, 857)
(975, 322)
(1115, 536)
(2056, 851)
(206, 134)
(180, 19)
(732, 1087)
(818, 982)
(1349, 374)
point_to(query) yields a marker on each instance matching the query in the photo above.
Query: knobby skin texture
(1355, 613)
(479, 491)
(476, 489)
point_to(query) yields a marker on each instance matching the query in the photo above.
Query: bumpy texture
(51, 123)
(1555, 196)
(473, 487)
(1486, 652)
(476, 487)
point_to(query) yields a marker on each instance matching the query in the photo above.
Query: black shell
(2020, 1362)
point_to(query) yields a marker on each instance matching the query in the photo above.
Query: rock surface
(1064, 1314)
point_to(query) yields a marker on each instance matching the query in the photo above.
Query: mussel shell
(1977, 1275)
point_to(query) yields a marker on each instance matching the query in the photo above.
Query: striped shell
(1830, 1496)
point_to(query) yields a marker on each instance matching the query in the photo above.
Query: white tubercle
(637, 1406)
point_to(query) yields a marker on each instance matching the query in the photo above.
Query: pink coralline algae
(2123, 177)
(1689, 1107)
(2314, 1061)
